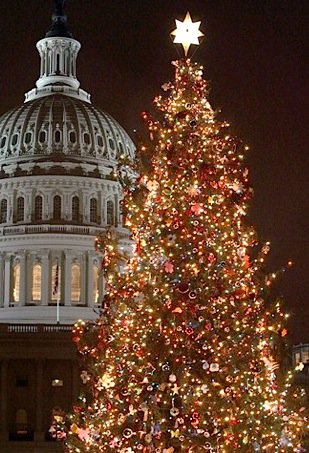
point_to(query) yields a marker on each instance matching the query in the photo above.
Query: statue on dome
(59, 6)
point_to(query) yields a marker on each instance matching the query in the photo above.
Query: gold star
(187, 33)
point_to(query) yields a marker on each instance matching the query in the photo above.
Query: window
(75, 283)
(57, 207)
(111, 144)
(36, 282)
(3, 211)
(38, 207)
(21, 382)
(21, 420)
(42, 137)
(305, 356)
(20, 209)
(75, 209)
(100, 140)
(16, 282)
(3, 142)
(86, 138)
(110, 213)
(28, 137)
(120, 147)
(57, 383)
(57, 136)
(55, 282)
(95, 291)
(72, 137)
(14, 139)
(93, 210)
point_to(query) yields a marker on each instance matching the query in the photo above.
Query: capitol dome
(58, 191)
(61, 126)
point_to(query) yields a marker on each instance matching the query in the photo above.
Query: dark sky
(256, 58)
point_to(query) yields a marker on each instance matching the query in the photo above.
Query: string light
(186, 354)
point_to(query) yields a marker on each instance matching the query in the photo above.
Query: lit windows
(57, 383)
(3, 211)
(95, 291)
(55, 282)
(16, 282)
(36, 282)
(20, 209)
(75, 283)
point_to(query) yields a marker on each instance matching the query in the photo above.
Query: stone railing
(49, 228)
(35, 328)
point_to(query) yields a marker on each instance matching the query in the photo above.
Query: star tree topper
(187, 33)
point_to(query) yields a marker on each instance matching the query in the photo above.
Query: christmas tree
(185, 356)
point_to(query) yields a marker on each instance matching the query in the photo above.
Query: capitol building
(58, 191)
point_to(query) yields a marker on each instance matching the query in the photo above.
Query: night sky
(254, 54)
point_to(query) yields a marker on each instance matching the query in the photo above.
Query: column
(39, 434)
(89, 286)
(67, 277)
(83, 279)
(23, 278)
(45, 277)
(4, 400)
(1, 279)
(7, 279)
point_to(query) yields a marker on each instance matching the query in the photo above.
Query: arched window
(3, 142)
(100, 140)
(93, 210)
(57, 136)
(75, 209)
(95, 291)
(86, 138)
(42, 136)
(56, 282)
(57, 207)
(75, 283)
(21, 420)
(38, 207)
(72, 136)
(16, 282)
(14, 139)
(110, 213)
(28, 138)
(111, 143)
(36, 282)
(3, 211)
(20, 209)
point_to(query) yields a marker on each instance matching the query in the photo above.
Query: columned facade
(59, 189)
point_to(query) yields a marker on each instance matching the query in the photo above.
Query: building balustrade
(35, 328)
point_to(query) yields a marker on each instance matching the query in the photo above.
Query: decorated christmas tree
(186, 354)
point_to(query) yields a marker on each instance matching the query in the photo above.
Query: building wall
(34, 359)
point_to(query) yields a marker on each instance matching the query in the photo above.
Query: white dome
(58, 191)
(60, 127)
